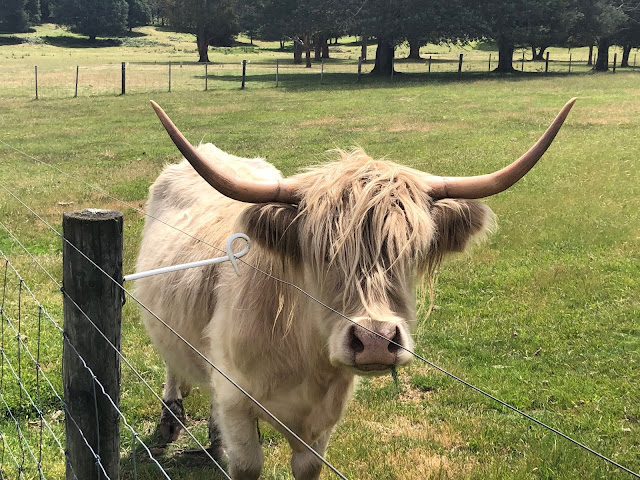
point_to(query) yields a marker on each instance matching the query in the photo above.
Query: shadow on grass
(65, 41)
(12, 40)
(348, 81)
(178, 463)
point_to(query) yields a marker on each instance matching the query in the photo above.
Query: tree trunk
(590, 59)
(363, 48)
(317, 48)
(202, 40)
(297, 51)
(626, 50)
(384, 58)
(538, 54)
(533, 53)
(414, 50)
(602, 62)
(325, 48)
(307, 50)
(505, 58)
(281, 44)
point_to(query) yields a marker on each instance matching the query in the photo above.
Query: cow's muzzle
(376, 347)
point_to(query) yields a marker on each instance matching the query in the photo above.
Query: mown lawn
(544, 315)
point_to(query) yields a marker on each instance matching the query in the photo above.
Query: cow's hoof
(170, 428)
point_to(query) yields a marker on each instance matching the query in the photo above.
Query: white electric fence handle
(231, 257)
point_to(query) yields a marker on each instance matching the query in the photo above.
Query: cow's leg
(169, 428)
(240, 437)
(304, 464)
(215, 436)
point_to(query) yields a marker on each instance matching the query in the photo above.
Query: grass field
(545, 315)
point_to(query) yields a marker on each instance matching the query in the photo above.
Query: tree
(92, 17)
(609, 18)
(139, 14)
(538, 23)
(13, 16)
(32, 8)
(629, 35)
(212, 21)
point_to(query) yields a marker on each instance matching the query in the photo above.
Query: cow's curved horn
(496, 182)
(224, 181)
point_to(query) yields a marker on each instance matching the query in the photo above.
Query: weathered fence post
(75, 95)
(489, 62)
(244, 72)
(169, 76)
(522, 63)
(460, 64)
(634, 60)
(615, 60)
(546, 63)
(36, 72)
(206, 76)
(124, 83)
(98, 234)
(569, 63)
(277, 71)
(429, 69)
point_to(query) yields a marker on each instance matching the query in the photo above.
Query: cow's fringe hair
(365, 220)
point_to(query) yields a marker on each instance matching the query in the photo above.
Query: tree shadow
(66, 41)
(349, 81)
(12, 40)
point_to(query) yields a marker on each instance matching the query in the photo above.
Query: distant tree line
(311, 25)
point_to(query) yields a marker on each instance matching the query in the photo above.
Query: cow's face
(364, 233)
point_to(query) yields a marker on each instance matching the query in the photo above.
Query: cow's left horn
(496, 182)
(224, 181)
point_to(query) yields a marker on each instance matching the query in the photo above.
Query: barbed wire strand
(122, 357)
(67, 413)
(172, 330)
(4, 291)
(38, 387)
(21, 437)
(84, 363)
(5, 444)
(284, 282)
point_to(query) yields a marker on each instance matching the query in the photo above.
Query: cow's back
(187, 221)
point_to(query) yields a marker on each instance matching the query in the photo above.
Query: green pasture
(544, 315)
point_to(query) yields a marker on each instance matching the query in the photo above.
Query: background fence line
(144, 77)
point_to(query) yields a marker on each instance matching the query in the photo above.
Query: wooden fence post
(429, 68)
(569, 63)
(36, 72)
(75, 95)
(98, 234)
(206, 76)
(522, 63)
(124, 83)
(169, 77)
(277, 71)
(244, 72)
(546, 63)
(615, 60)
(460, 64)
(489, 62)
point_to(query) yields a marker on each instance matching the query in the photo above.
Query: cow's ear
(275, 227)
(457, 223)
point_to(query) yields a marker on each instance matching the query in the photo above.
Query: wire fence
(144, 77)
(30, 380)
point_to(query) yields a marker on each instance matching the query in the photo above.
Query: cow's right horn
(225, 182)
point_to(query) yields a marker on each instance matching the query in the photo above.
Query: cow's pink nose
(371, 351)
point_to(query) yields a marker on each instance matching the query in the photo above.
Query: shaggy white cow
(357, 234)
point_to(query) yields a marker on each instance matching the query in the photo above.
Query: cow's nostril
(355, 343)
(397, 339)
